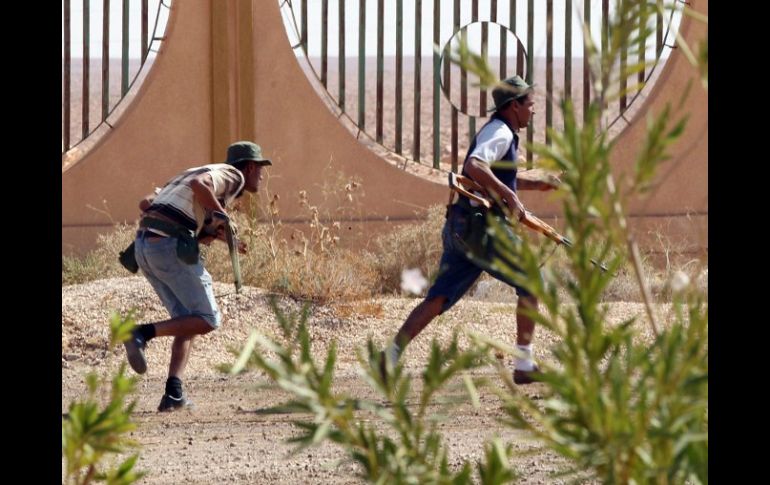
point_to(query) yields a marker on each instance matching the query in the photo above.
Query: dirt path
(224, 439)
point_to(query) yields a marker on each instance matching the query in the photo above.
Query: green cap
(508, 90)
(245, 150)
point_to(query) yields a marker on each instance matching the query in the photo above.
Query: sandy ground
(223, 439)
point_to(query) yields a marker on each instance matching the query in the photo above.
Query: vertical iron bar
(145, 46)
(380, 66)
(605, 25)
(463, 71)
(436, 84)
(399, 70)
(658, 34)
(512, 26)
(623, 67)
(568, 50)
(586, 67)
(530, 70)
(324, 41)
(85, 100)
(124, 55)
(303, 40)
(482, 93)
(105, 59)
(605, 43)
(485, 56)
(456, 28)
(642, 45)
(361, 63)
(454, 139)
(520, 56)
(67, 74)
(417, 78)
(548, 70)
(504, 52)
(530, 40)
(341, 56)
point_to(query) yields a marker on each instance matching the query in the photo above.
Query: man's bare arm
(537, 179)
(145, 203)
(203, 191)
(481, 173)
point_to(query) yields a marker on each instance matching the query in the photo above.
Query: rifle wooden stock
(463, 185)
(533, 222)
(458, 183)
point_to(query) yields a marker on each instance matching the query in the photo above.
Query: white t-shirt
(492, 142)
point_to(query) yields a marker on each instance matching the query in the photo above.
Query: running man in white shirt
(491, 163)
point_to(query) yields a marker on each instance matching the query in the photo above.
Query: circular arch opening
(108, 48)
(379, 68)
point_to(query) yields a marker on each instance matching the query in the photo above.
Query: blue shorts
(457, 272)
(185, 289)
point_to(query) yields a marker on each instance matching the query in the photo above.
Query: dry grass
(409, 246)
(103, 261)
(308, 264)
(364, 309)
(305, 264)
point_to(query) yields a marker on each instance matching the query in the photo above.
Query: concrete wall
(166, 127)
(197, 99)
(678, 203)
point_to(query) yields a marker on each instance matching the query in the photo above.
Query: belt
(148, 234)
(170, 228)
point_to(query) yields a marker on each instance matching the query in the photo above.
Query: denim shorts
(457, 272)
(185, 289)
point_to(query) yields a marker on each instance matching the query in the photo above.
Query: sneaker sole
(171, 409)
(135, 357)
(526, 377)
(524, 380)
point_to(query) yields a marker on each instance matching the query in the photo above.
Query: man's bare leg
(421, 316)
(525, 326)
(184, 330)
(417, 320)
(187, 326)
(525, 332)
(180, 354)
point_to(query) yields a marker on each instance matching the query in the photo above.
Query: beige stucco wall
(677, 205)
(167, 126)
(196, 99)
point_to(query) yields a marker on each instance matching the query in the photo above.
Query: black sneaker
(135, 351)
(170, 403)
(526, 377)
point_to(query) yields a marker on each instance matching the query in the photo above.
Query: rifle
(463, 185)
(232, 246)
